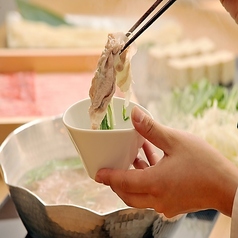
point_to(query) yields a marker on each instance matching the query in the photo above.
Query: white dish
(98, 149)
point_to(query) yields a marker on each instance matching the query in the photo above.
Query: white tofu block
(157, 63)
(212, 68)
(187, 61)
(205, 45)
(228, 66)
(178, 73)
(196, 68)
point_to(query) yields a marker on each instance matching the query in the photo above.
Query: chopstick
(144, 16)
(147, 24)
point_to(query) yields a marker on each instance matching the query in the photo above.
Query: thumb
(159, 135)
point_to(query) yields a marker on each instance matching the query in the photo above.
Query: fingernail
(137, 115)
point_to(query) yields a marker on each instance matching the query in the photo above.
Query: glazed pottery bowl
(116, 148)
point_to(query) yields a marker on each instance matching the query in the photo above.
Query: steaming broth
(66, 182)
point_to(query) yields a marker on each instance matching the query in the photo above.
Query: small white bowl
(116, 148)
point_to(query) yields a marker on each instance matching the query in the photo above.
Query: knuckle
(124, 184)
(150, 124)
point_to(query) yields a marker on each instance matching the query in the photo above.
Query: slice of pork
(112, 69)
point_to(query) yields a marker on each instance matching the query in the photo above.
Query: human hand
(191, 175)
(232, 7)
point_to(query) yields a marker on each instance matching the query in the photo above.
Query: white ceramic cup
(116, 148)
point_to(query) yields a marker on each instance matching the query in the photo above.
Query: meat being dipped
(113, 70)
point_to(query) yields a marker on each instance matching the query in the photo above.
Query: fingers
(159, 135)
(232, 7)
(129, 181)
(143, 200)
(152, 157)
(133, 187)
(140, 164)
(137, 200)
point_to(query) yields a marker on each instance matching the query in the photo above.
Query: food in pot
(66, 182)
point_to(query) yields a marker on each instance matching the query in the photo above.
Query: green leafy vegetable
(33, 12)
(207, 110)
(197, 97)
(232, 99)
(50, 166)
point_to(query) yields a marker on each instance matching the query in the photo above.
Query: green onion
(104, 124)
(125, 118)
(110, 116)
(107, 122)
(197, 97)
(46, 169)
